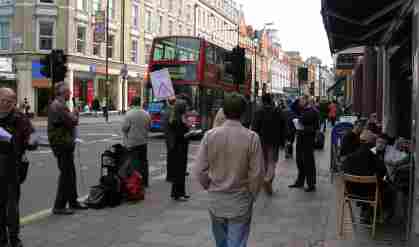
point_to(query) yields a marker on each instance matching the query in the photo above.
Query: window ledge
(7, 9)
(46, 9)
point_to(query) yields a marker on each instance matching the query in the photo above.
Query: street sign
(162, 84)
(6, 64)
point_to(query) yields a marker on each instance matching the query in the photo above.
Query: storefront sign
(6, 64)
(162, 84)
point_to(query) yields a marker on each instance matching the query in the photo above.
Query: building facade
(295, 61)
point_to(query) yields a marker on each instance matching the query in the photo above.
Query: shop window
(81, 39)
(46, 35)
(4, 35)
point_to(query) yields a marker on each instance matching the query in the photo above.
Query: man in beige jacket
(230, 166)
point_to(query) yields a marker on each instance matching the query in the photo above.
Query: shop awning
(362, 22)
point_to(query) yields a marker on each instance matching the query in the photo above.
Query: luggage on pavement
(133, 187)
(97, 197)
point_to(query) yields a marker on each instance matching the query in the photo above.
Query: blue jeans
(230, 232)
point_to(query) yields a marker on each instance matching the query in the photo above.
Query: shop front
(83, 89)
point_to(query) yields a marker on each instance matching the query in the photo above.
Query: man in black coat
(308, 124)
(12, 166)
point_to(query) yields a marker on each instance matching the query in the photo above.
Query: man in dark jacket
(269, 126)
(12, 167)
(308, 124)
(62, 128)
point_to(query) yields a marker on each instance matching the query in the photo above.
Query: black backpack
(112, 185)
(107, 193)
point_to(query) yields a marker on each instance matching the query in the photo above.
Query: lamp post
(107, 54)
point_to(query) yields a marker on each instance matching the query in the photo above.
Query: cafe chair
(372, 200)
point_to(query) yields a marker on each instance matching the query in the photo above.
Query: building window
(96, 48)
(180, 7)
(4, 35)
(5, 2)
(110, 45)
(148, 21)
(170, 27)
(189, 31)
(134, 16)
(111, 9)
(82, 5)
(81, 39)
(147, 53)
(170, 5)
(159, 24)
(189, 13)
(46, 35)
(134, 51)
(46, 1)
(96, 6)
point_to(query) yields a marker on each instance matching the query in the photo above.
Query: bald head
(7, 99)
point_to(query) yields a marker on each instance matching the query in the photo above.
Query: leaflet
(5, 135)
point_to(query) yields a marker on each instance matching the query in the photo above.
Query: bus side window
(209, 51)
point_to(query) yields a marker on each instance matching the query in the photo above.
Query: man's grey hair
(60, 88)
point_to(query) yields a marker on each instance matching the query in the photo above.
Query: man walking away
(230, 166)
(135, 129)
(15, 139)
(309, 124)
(61, 135)
(270, 128)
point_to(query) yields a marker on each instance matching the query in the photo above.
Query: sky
(299, 24)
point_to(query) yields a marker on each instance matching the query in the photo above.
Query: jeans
(230, 232)
(179, 168)
(67, 186)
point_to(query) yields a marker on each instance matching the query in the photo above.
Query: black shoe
(310, 189)
(62, 211)
(183, 198)
(15, 242)
(296, 185)
(78, 206)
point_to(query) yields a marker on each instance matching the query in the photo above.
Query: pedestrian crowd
(236, 159)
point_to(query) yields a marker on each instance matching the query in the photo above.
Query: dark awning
(362, 22)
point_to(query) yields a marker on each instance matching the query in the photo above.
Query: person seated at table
(364, 162)
(351, 140)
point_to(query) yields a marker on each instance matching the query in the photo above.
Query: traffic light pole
(107, 58)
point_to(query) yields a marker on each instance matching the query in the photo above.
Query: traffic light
(60, 67)
(54, 66)
(239, 65)
(312, 88)
(302, 74)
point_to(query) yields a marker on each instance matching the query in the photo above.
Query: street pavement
(292, 218)
(38, 192)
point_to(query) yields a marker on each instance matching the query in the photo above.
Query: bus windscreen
(175, 48)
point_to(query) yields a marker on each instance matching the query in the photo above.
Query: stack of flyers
(5, 135)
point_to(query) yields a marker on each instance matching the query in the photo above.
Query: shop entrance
(42, 100)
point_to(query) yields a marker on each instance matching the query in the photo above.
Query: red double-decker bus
(198, 69)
